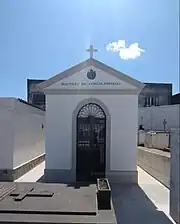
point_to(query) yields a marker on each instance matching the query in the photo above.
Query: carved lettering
(90, 83)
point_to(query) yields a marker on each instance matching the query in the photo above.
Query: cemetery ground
(147, 202)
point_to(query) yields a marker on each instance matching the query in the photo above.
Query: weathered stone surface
(64, 200)
(11, 175)
(156, 163)
(53, 203)
(6, 189)
(175, 175)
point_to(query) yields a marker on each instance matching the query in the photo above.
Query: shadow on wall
(76, 185)
(41, 179)
(133, 206)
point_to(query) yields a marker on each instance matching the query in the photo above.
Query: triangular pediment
(91, 74)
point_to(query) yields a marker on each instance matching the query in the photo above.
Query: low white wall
(6, 136)
(152, 117)
(28, 133)
(157, 140)
(21, 133)
(156, 163)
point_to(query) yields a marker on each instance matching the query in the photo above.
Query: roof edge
(61, 75)
(78, 67)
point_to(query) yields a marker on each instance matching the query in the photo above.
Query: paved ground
(147, 203)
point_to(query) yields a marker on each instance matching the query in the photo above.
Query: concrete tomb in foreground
(51, 203)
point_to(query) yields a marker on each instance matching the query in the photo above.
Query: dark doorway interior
(91, 143)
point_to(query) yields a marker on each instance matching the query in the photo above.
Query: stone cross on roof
(91, 50)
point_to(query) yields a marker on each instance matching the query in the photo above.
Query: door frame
(91, 122)
(108, 131)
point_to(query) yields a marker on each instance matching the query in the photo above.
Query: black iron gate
(91, 143)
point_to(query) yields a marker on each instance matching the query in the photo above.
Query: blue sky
(39, 38)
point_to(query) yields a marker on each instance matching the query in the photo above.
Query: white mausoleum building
(91, 124)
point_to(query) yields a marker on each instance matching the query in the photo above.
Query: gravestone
(19, 195)
(51, 203)
(175, 175)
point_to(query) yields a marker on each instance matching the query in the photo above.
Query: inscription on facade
(90, 83)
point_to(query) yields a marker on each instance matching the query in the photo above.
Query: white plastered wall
(21, 133)
(124, 117)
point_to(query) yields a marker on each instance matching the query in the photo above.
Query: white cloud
(125, 53)
(116, 46)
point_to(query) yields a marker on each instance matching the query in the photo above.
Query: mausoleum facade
(91, 124)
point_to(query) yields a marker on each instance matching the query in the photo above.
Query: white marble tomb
(91, 124)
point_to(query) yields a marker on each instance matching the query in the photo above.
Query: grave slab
(51, 203)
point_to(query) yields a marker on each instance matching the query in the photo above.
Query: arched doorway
(91, 143)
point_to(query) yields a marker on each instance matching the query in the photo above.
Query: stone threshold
(13, 174)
